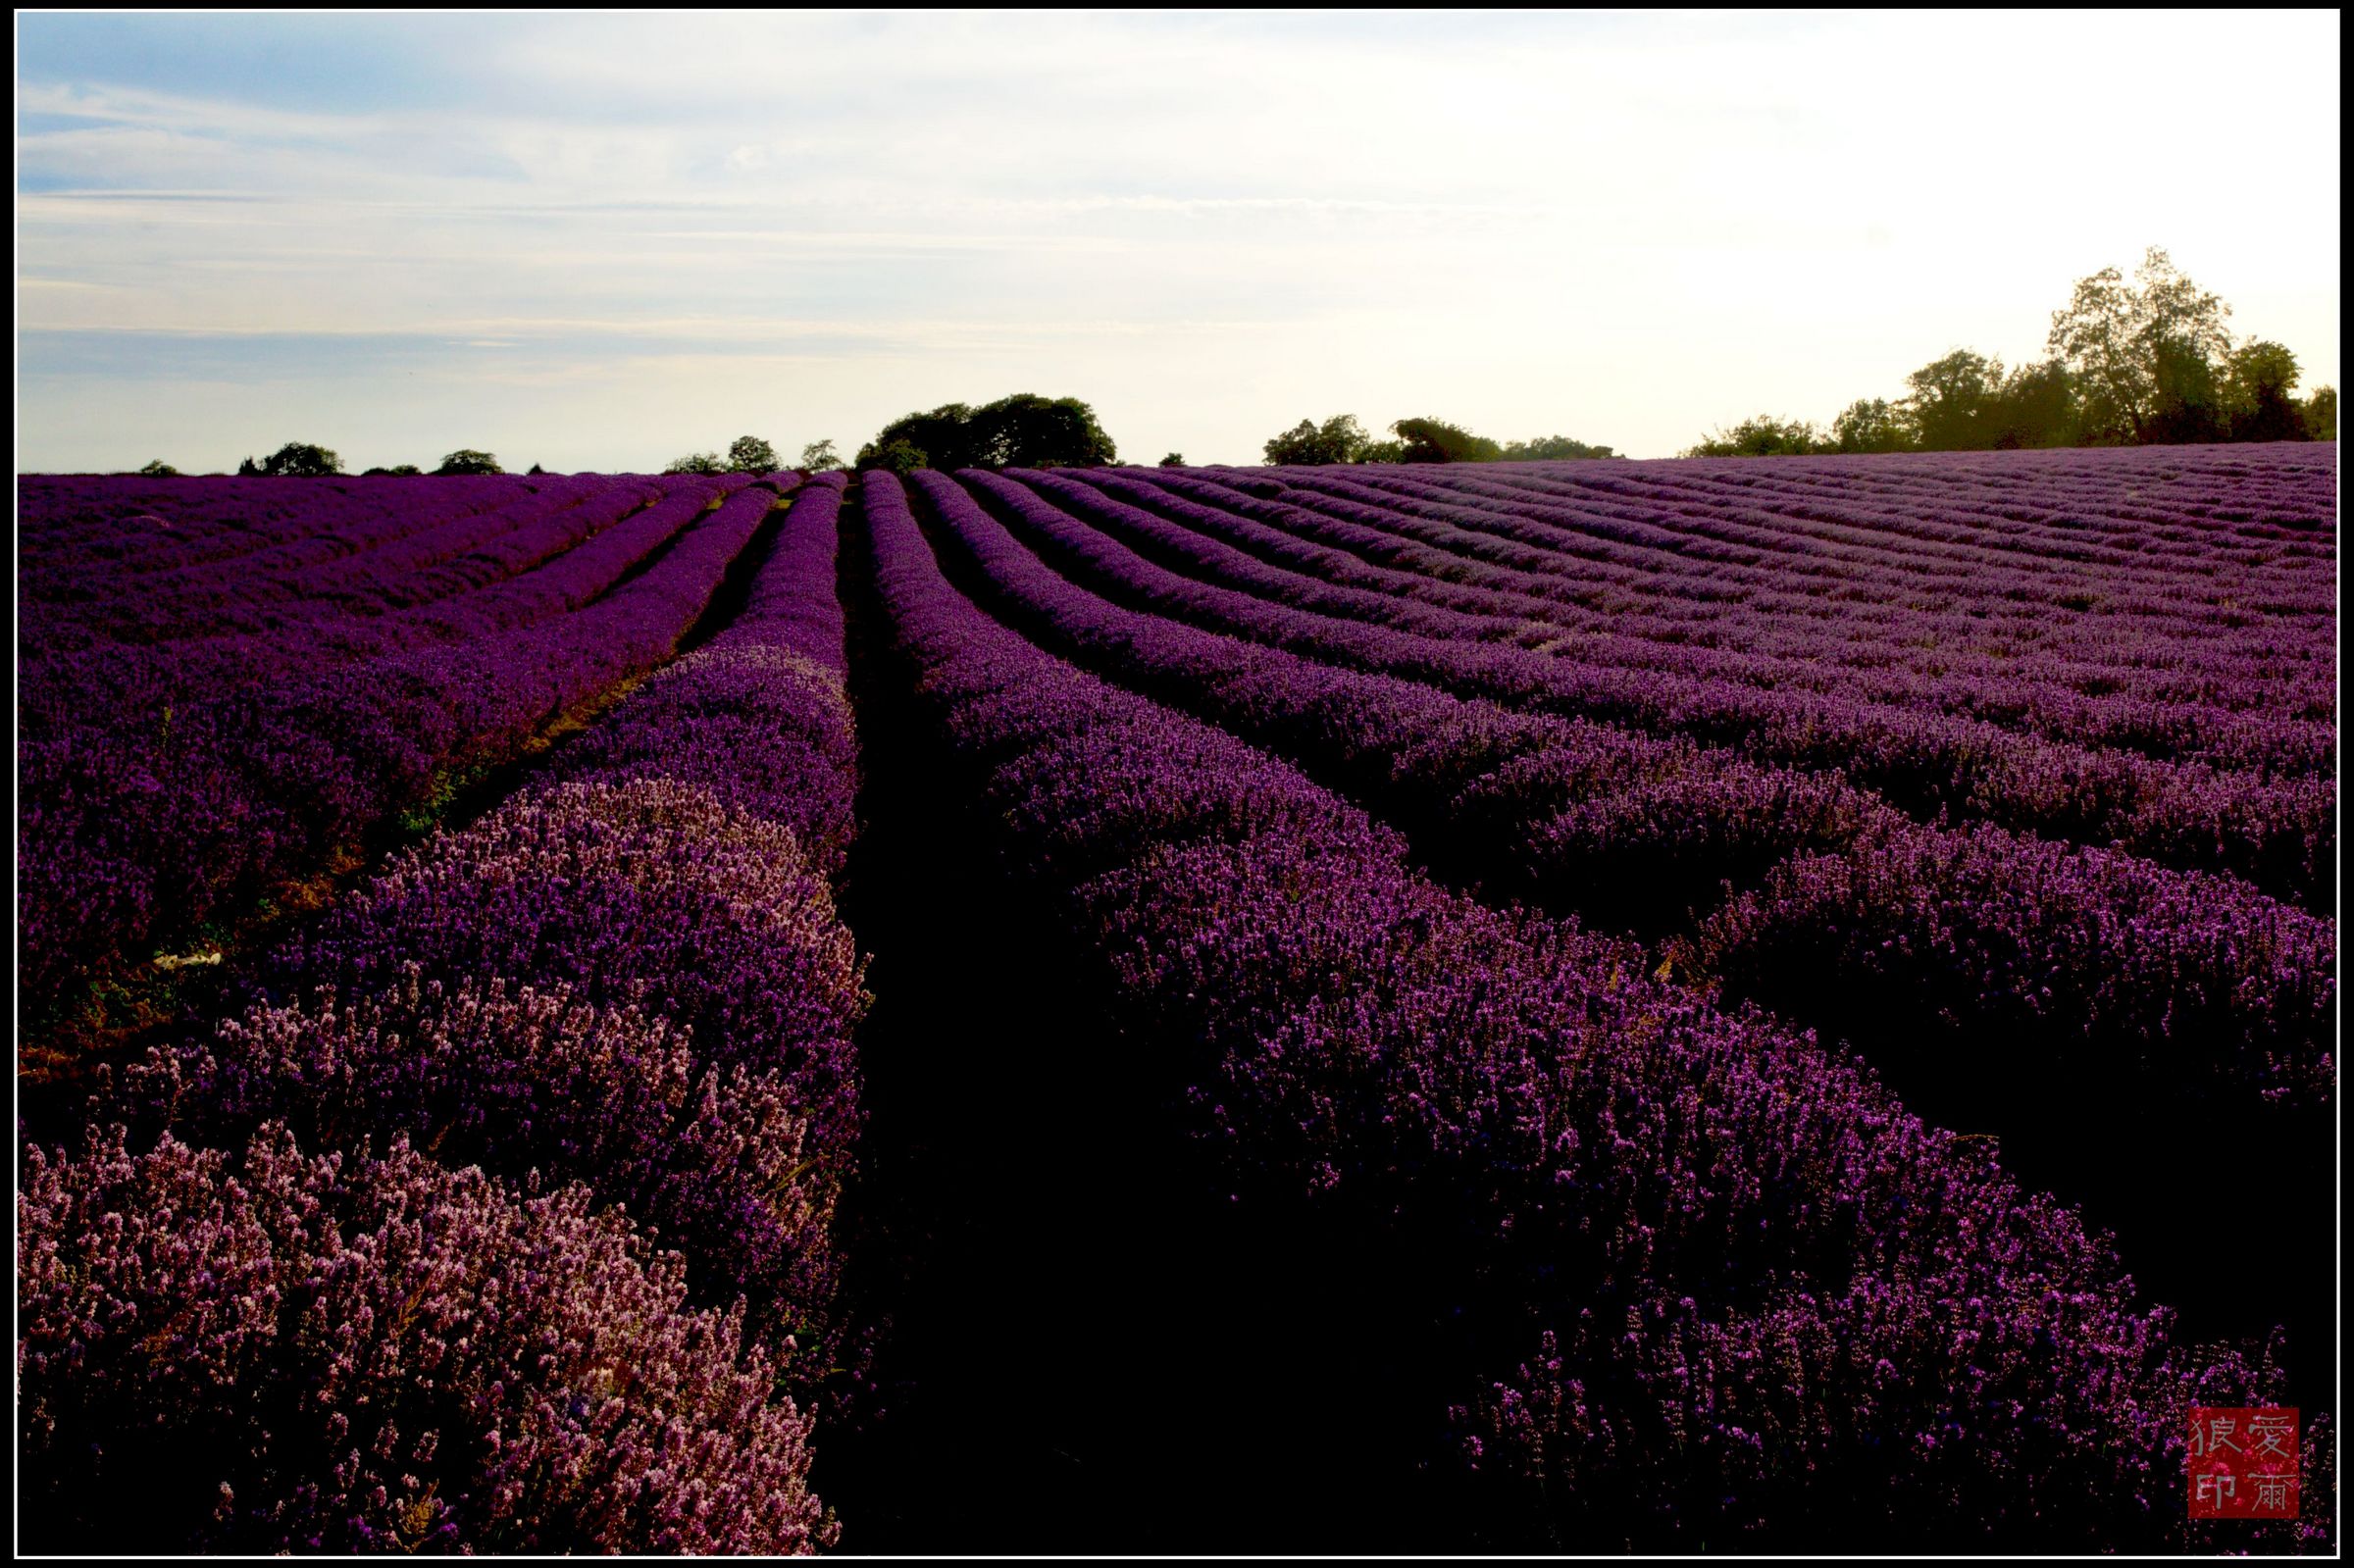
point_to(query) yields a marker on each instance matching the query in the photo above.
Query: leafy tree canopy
(1024, 430)
(1951, 401)
(1763, 436)
(295, 460)
(1552, 449)
(898, 455)
(2038, 406)
(2145, 360)
(2256, 368)
(1027, 430)
(943, 438)
(1434, 441)
(1339, 440)
(2258, 380)
(819, 457)
(160, 470)
(2186, 396)
(1872, 425)
(466, 460)
(697, 463)
(396, 469)
(2134, 347)
(2321, 414)
(1173, 460)
(748, 454)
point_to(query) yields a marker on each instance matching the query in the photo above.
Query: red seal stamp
(2244, 1463)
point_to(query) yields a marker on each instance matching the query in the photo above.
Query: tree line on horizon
(307, 460)
(1342, 439)
(748, 454)
(1023, 430)
(2145, 362)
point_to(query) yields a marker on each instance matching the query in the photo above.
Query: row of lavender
(2189, 518)
(165, 785)
(2118, 525)
(2217, 513)
(2279, 833)
(500, 1215)
(1713, 1283)
(2041, 947)
(1908, 611)
(155, 575)
(2128, 679)
(2062, 640)
(1965, 963)
(77, 525)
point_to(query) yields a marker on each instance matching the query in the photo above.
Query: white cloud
(1626, 229)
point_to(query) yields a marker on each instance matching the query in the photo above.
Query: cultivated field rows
(1758, 965)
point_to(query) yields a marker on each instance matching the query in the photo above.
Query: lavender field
(1710, 1005)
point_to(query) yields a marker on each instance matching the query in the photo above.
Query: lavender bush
(143, 815)
(273, 1351)
(2280, 833)
(1612, 1154)
(2042, 951)
(1429, 843)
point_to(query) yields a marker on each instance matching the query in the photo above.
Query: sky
(601, 243)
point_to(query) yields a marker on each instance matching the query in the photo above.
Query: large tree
(1763, 436)
(1551, 449)
(466, 460)
(898, 455)
(1871, 425)
(2258, 380)
(748, 454)
(2321, 414)
(2037, 407)
(1027, 430)
(1951, 403)
(1435, 440)
(819, 457)
(944, 438)
(1024, 430)
(2142, 351)
(295, 460)
(1339, 440)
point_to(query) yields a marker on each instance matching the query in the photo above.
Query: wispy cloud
(1626, 227)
